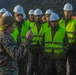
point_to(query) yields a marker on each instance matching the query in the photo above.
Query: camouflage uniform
(22, 31)
(10, 53)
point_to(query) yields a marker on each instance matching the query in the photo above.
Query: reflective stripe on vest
(70, 28)
(55, 45)
(37, 36)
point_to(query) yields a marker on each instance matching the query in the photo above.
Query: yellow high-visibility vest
(70, 28)
(55, 44)
(24, 30)
(38, 36)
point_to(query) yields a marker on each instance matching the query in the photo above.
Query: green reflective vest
(55, 44)
(37, 36)
(70, 28)
(25, 28)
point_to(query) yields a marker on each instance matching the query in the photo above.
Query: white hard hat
(54, 16)
(49, 11)
(3, 10)
(24, 15)
(68, 7)
(7, 14)
(38, 12)
(18, 9)
(31, 12)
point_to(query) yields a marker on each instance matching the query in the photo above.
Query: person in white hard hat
(19, 35)
(3, 10)
(47, 14)
(35, 64)
(56, 46)
(31, 16)
(46, 17)
(69, 24)
(37, 15)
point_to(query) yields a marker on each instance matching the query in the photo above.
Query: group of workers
(40, 45)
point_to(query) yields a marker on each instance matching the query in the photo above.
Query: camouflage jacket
(10, 53)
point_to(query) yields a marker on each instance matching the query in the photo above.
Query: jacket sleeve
(12, 48)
